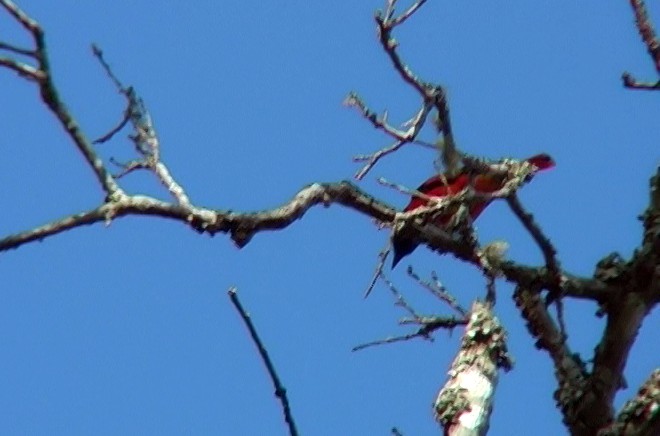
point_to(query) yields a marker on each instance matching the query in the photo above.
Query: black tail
(401, 247)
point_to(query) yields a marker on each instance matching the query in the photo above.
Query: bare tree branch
(549, 254)
(280, 390)
(17, 50)
(584, 398)
(49, 95)
(548, 250)
(428, 324)
(433, 96)
(638, 284)
(625, 290)
(570, 374)
(241, 227)
(438, 290)
(144, 137)
(647, 33)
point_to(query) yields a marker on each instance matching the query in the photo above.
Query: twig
(386, 23)
(570, 376)
(144, 137)
(17, 50)
(433, 96)
(49, 95)
(22, 69)
(647, 33)
(280, 390)
(108, 136)
(374, 158)
(353, 100)
(429, 325)
(129, 167)
(438, 290)
(400, 301)
(549, 254)
(382, 256)
(527, 220)
(402, 137)
(631, 83)
(407, 14)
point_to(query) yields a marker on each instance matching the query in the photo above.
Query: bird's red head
(542, 161)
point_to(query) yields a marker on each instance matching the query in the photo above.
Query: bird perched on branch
(441, 185)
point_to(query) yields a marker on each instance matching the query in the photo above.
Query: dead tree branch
(42, 75)
(427, 324)
(650, 40)
(280, 390)
(433, 97)
(626, 291)
(586, 397)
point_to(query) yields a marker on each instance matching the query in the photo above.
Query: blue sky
(127, 329)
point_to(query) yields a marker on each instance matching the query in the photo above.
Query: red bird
(441, 186)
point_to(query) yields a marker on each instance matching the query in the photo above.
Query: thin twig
(385, 27)
(144, 137)
(438, 290)
(129, 167)
(408, 13)
(23, 70)
(50, 96)
(108, 136)
(631, 83)
(414, 124)
(98, 53)
(382, 256)
(429, 325)
(400, 300)
(17, 50)
(549, 254)
(24, 20)
(402, 137)
(280, 390)
(433, 96)
(451, 157)
(527, 220)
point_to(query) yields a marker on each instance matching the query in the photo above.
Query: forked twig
(433, 97)
(427, 324)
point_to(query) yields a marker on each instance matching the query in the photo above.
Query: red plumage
(440, 186)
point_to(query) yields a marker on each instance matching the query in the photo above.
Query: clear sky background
(127, 329)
